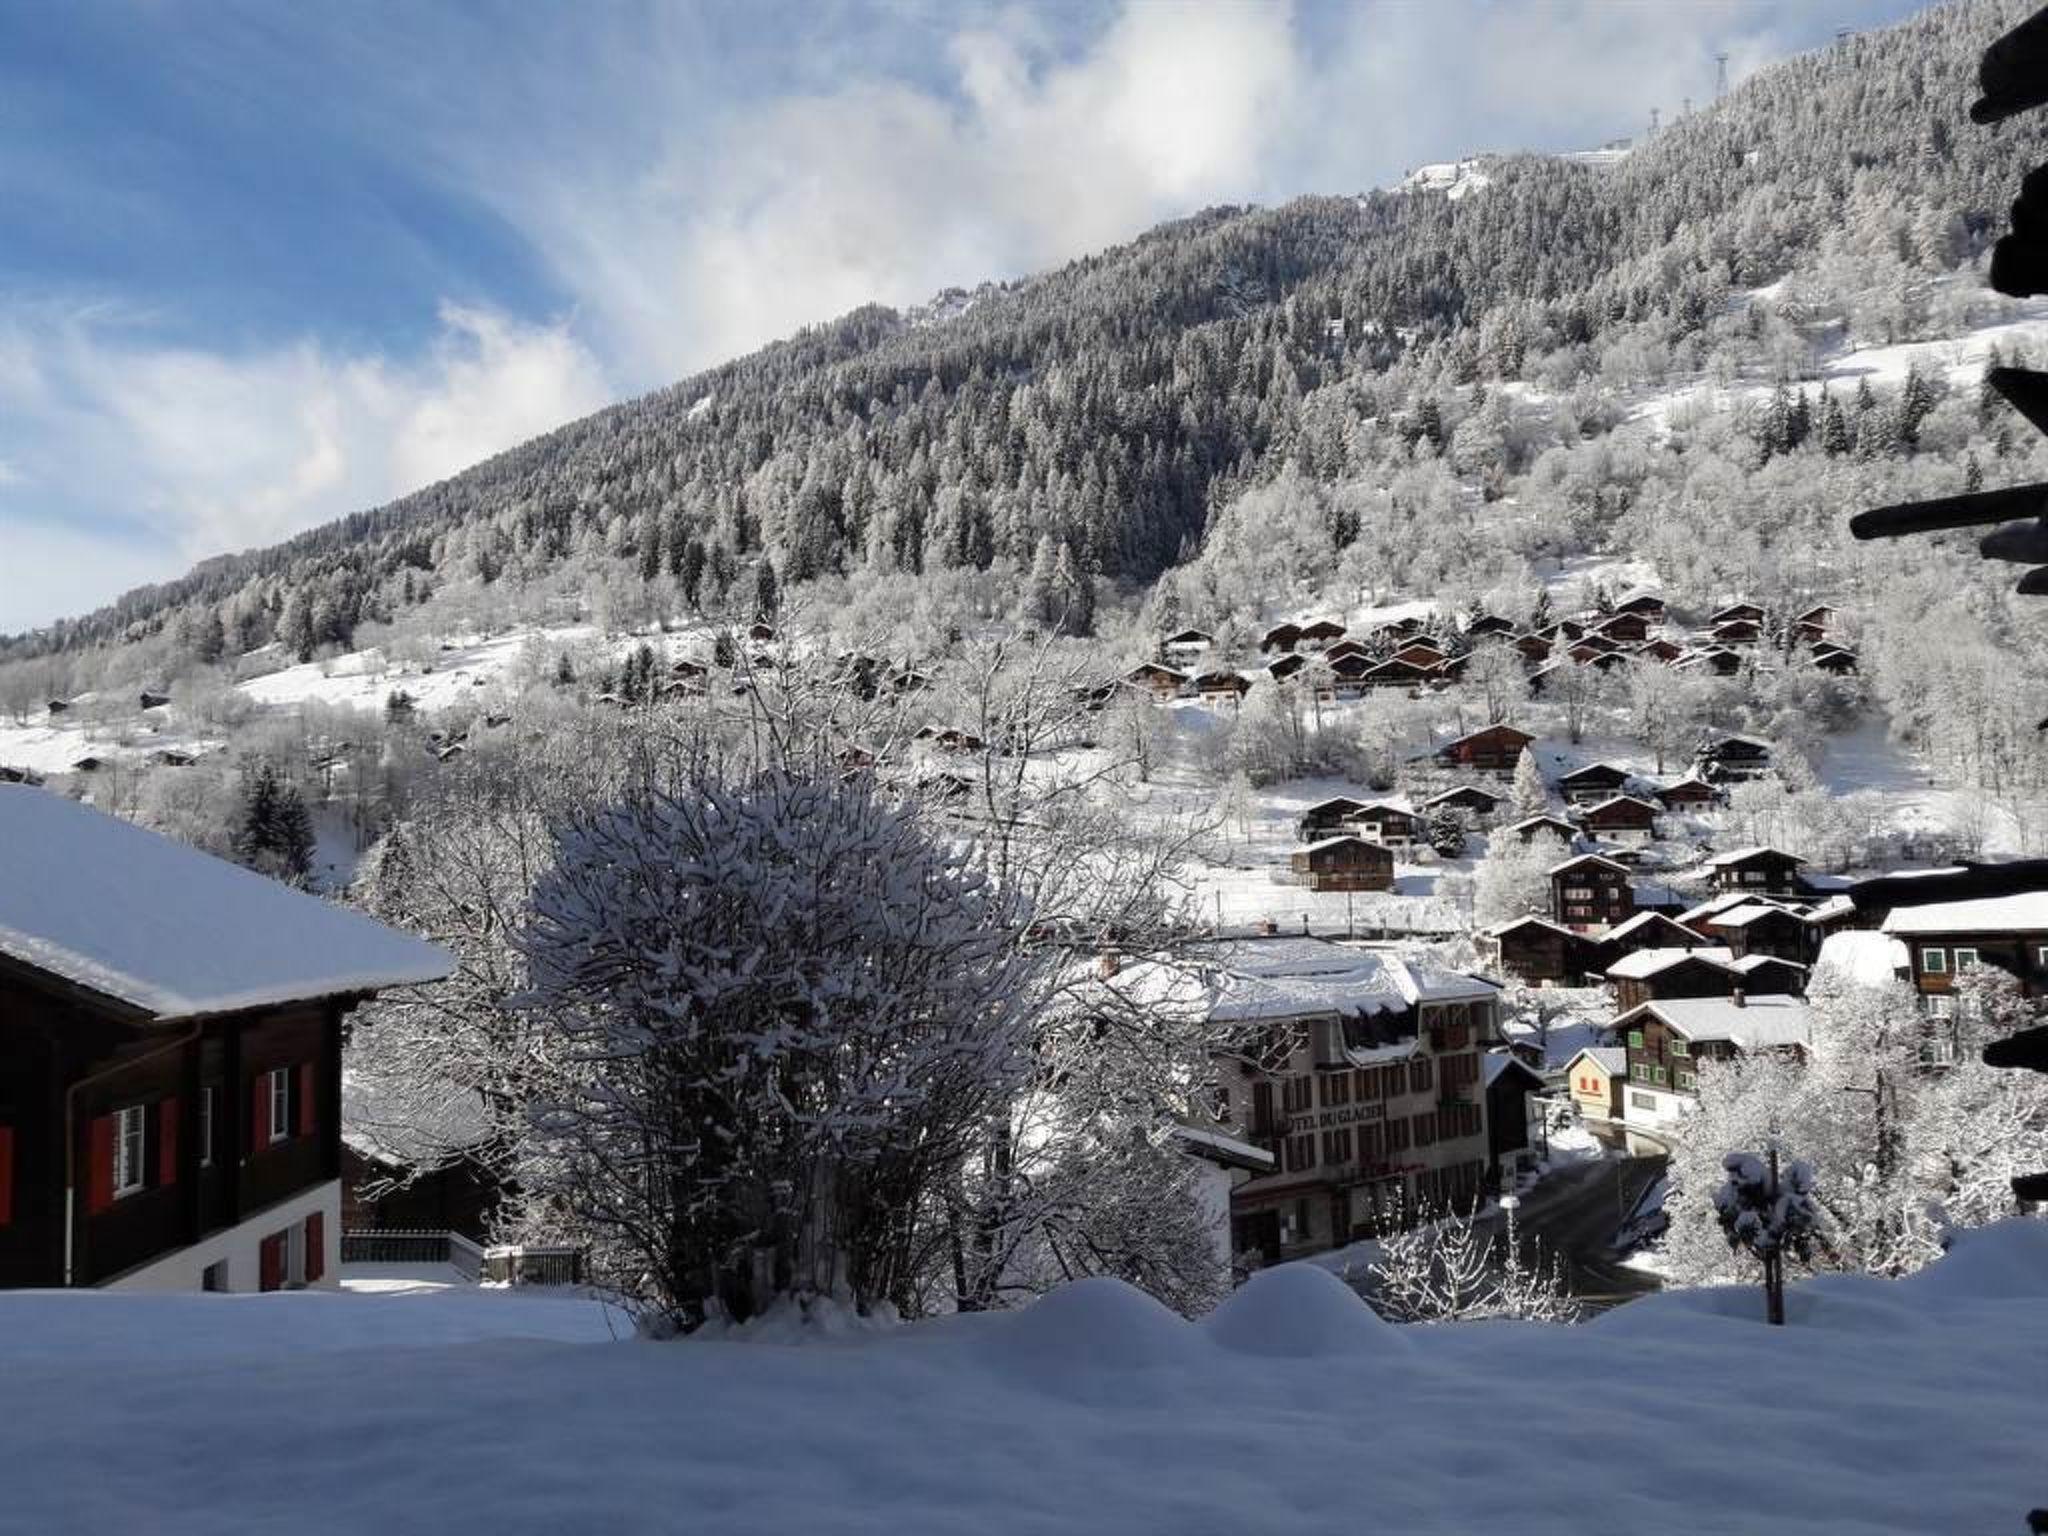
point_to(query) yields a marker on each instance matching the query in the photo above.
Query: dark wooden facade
(1345, 864)
(1538, 952)
(1758, 872)
(1490, 749)
(1590, 892)
(72, 1063)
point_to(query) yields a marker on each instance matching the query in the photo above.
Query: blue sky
(266, 264)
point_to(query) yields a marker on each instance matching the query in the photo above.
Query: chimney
(1738, 999)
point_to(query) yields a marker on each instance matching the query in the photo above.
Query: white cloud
(184, 453)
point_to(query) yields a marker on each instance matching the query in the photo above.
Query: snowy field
(1909, 1406)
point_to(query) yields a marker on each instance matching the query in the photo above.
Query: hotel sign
(1332, 1119)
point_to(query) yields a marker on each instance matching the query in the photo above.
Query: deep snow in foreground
(1886, 1406)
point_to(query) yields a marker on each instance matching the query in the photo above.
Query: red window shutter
(167, 1142)
(306, 1119)
(6, 1174)
(259, 1112)
(99, 1171)
(316, 1246)
(270, 1262)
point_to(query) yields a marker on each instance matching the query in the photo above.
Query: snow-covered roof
(2023, 912)
(1749, 965)
(1485, 730)
(1756, 1023)
(1613, 800)
(1228, 1150)
(1743, 855)
(1464, 789)
(1256, 979)
(1611, 1059)
(1750, 912)
(1586, 858)
(1526, 920)
(1622, 931)
(1721, 902)
(118, 910)
(1494, 1063)
(1869, 959)
(1839, 905)
(1641, 964)
(1343, 837)
(1597, 768)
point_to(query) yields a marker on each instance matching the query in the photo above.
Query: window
(1635, 1039)
(1679, 1047)
(1752, 877)
(280, 1104)
(1337, 1147)
(2041, 957)
(1425, 1128)
(1940, 1007)
(1419, 1074)
(131, 1128)
(1336, 1089)
(1656, 1074)
(1639, 1071)
(1966, 960)
(1296, 1095)
(1938, 1049)
(1397, 1135)
(1642, 1101)
(1686, 1081)
(206, 1127)
(1368, 1083)
(1219, 1103)
(1578, 893)
(1372, 1142)
(1933, 962)
(1301, 1153)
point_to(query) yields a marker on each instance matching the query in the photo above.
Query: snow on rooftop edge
(121, 911)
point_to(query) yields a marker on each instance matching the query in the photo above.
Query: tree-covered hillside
(1097, 419)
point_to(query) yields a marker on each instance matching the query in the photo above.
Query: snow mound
(1094, 1325)
(1296, 1311)
(2007, 1261)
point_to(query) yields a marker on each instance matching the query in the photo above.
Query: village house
(1471, 799)
(1423, 653)
(1623, 628)
(1717, 659)
(1594, 1078)
(1281, 637)
(1950, 939)
(1356, 650)
(170, 1058)
(1648, 604)
(1622, 819)
(1493, 749)
(1281, 668)
(1329, 816)
(1514, 1102)
(1481, 625)
(1532, 827)
(1345, 862)
(1766, 928)
(1740, 611)
(1361, 1071)
(1591, 893)
(1756, 871)
(1390, 825)
(1393, 674)
(1657, 648)
(1321, 633)
(1666, 1041)
(1814, 623)
(1593, 783)
(1540, 953)
(1691, 793)
(1185, 647)
(1646, 975)
(1731, 758)
(1534, 648)
(1221, 687)
(1835, 660)
(1736, 632)
(1161, 682)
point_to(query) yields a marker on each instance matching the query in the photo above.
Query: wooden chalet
(1646, 604)
(88, 764)
(1593, 783)
(1484, 624)
(1756, 871)
(1648, 930)
(1394, 674)
(1321, 633)
(1666, 1040)
(1346, 862)
(1221, 686)
(1624, 628)
(1491, 749)
(1424, 653)
(1591, 893)
(1531, 827)
(1511, 1086)
(1281, 668)
(1620, 819)
(1534, 648)
(1717, 659)
(11, 774)
(56, 706)
(1835, 660)
(171, 757)
(1538, 952)
(1658, 648)
(1691, 793)
(1733, 759)
(1736, 632)
(1185, 646)
(1815, 623)
(1160, 681)
(170, 1058)
(1346, 650)
(1948, 939)
(1392, 826)
(1471, 799)
(1766, 928)
(761, 632)
(1452, 668)
(1281, 637)
(950, 738)
(152, 698)
(1645, 975)
(1327, 817)
(1594, 1078)
(1740, 612)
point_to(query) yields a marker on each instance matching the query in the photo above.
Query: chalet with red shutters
(1490, 749)
(170, 1058)
(1594, 1077)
